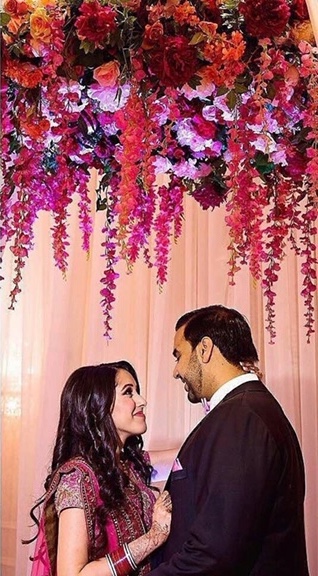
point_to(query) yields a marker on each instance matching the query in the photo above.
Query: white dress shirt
(208, 405)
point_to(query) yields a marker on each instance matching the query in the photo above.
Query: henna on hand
(159, 533)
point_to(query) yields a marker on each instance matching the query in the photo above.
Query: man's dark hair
(226, 327)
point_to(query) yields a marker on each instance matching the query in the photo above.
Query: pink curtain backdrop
(58, 326)
(312, 6)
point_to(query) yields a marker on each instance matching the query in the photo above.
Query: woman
(100, 516)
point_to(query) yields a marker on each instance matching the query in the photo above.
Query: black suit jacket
(238, 500)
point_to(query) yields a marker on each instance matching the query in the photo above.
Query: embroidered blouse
(75, 486)
(68, 492)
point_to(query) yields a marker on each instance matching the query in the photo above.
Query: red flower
(174, 61)
(209, 194)
(96, 22)
(265, 18)
(213, 7)
(299, 10)
(296, 165)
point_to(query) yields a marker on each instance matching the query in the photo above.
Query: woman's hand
(159, 531)
(161, 519)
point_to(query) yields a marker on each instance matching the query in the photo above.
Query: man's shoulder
(248, 395)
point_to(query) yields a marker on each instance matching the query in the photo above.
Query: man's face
(188, 367)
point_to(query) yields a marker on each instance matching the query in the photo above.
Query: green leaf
(242, 83)
(4, 18)
(101, 204)
(15, 50)
(197, 38)
(262, 163)
(231, 99)
(87, 46)
(266, 169)
(240, 88)
(195, 81)
(222, 90)
(270, 91)
(14, 144)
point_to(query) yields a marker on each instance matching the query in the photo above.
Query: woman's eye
(129, 392)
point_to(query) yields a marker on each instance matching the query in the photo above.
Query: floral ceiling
(220, 96)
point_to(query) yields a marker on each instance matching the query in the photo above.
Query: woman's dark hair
(86, 429)
(226, 327)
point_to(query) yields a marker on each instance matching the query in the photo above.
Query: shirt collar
(226, 388)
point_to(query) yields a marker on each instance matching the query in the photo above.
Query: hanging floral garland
(221, 96)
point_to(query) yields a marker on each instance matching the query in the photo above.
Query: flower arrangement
(221, 96)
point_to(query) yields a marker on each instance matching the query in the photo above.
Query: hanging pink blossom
(221, 98)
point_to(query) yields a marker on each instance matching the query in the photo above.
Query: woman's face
(127, 413)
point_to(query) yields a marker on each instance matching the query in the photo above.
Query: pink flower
(203, 127)
(108, 98)
(224, 111)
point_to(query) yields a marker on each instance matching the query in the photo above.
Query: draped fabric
(58, 325)
(312, 6)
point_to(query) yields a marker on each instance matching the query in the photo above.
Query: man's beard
(193, 379)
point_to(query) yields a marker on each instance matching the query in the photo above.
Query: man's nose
(176, 372)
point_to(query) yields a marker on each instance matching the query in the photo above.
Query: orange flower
(211, 4)
(35, 127)
(14, 26)
(292, 75)
(25, 74)
(46, 3)
(19, 12)
(224, 50)
(209, 28)
(186, 14)
(302, 31)
(132, 4)
(15, 7)
(153, 33)
(40, 27)
(107, 74)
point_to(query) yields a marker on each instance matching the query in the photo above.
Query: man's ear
(205, 349)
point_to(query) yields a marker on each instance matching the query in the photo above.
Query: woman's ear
(205, 349)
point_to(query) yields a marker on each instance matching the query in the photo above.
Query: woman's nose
(141, 401)
(176, 372)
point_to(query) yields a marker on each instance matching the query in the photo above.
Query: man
(237, 486)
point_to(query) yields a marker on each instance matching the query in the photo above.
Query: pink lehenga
(131, 521)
